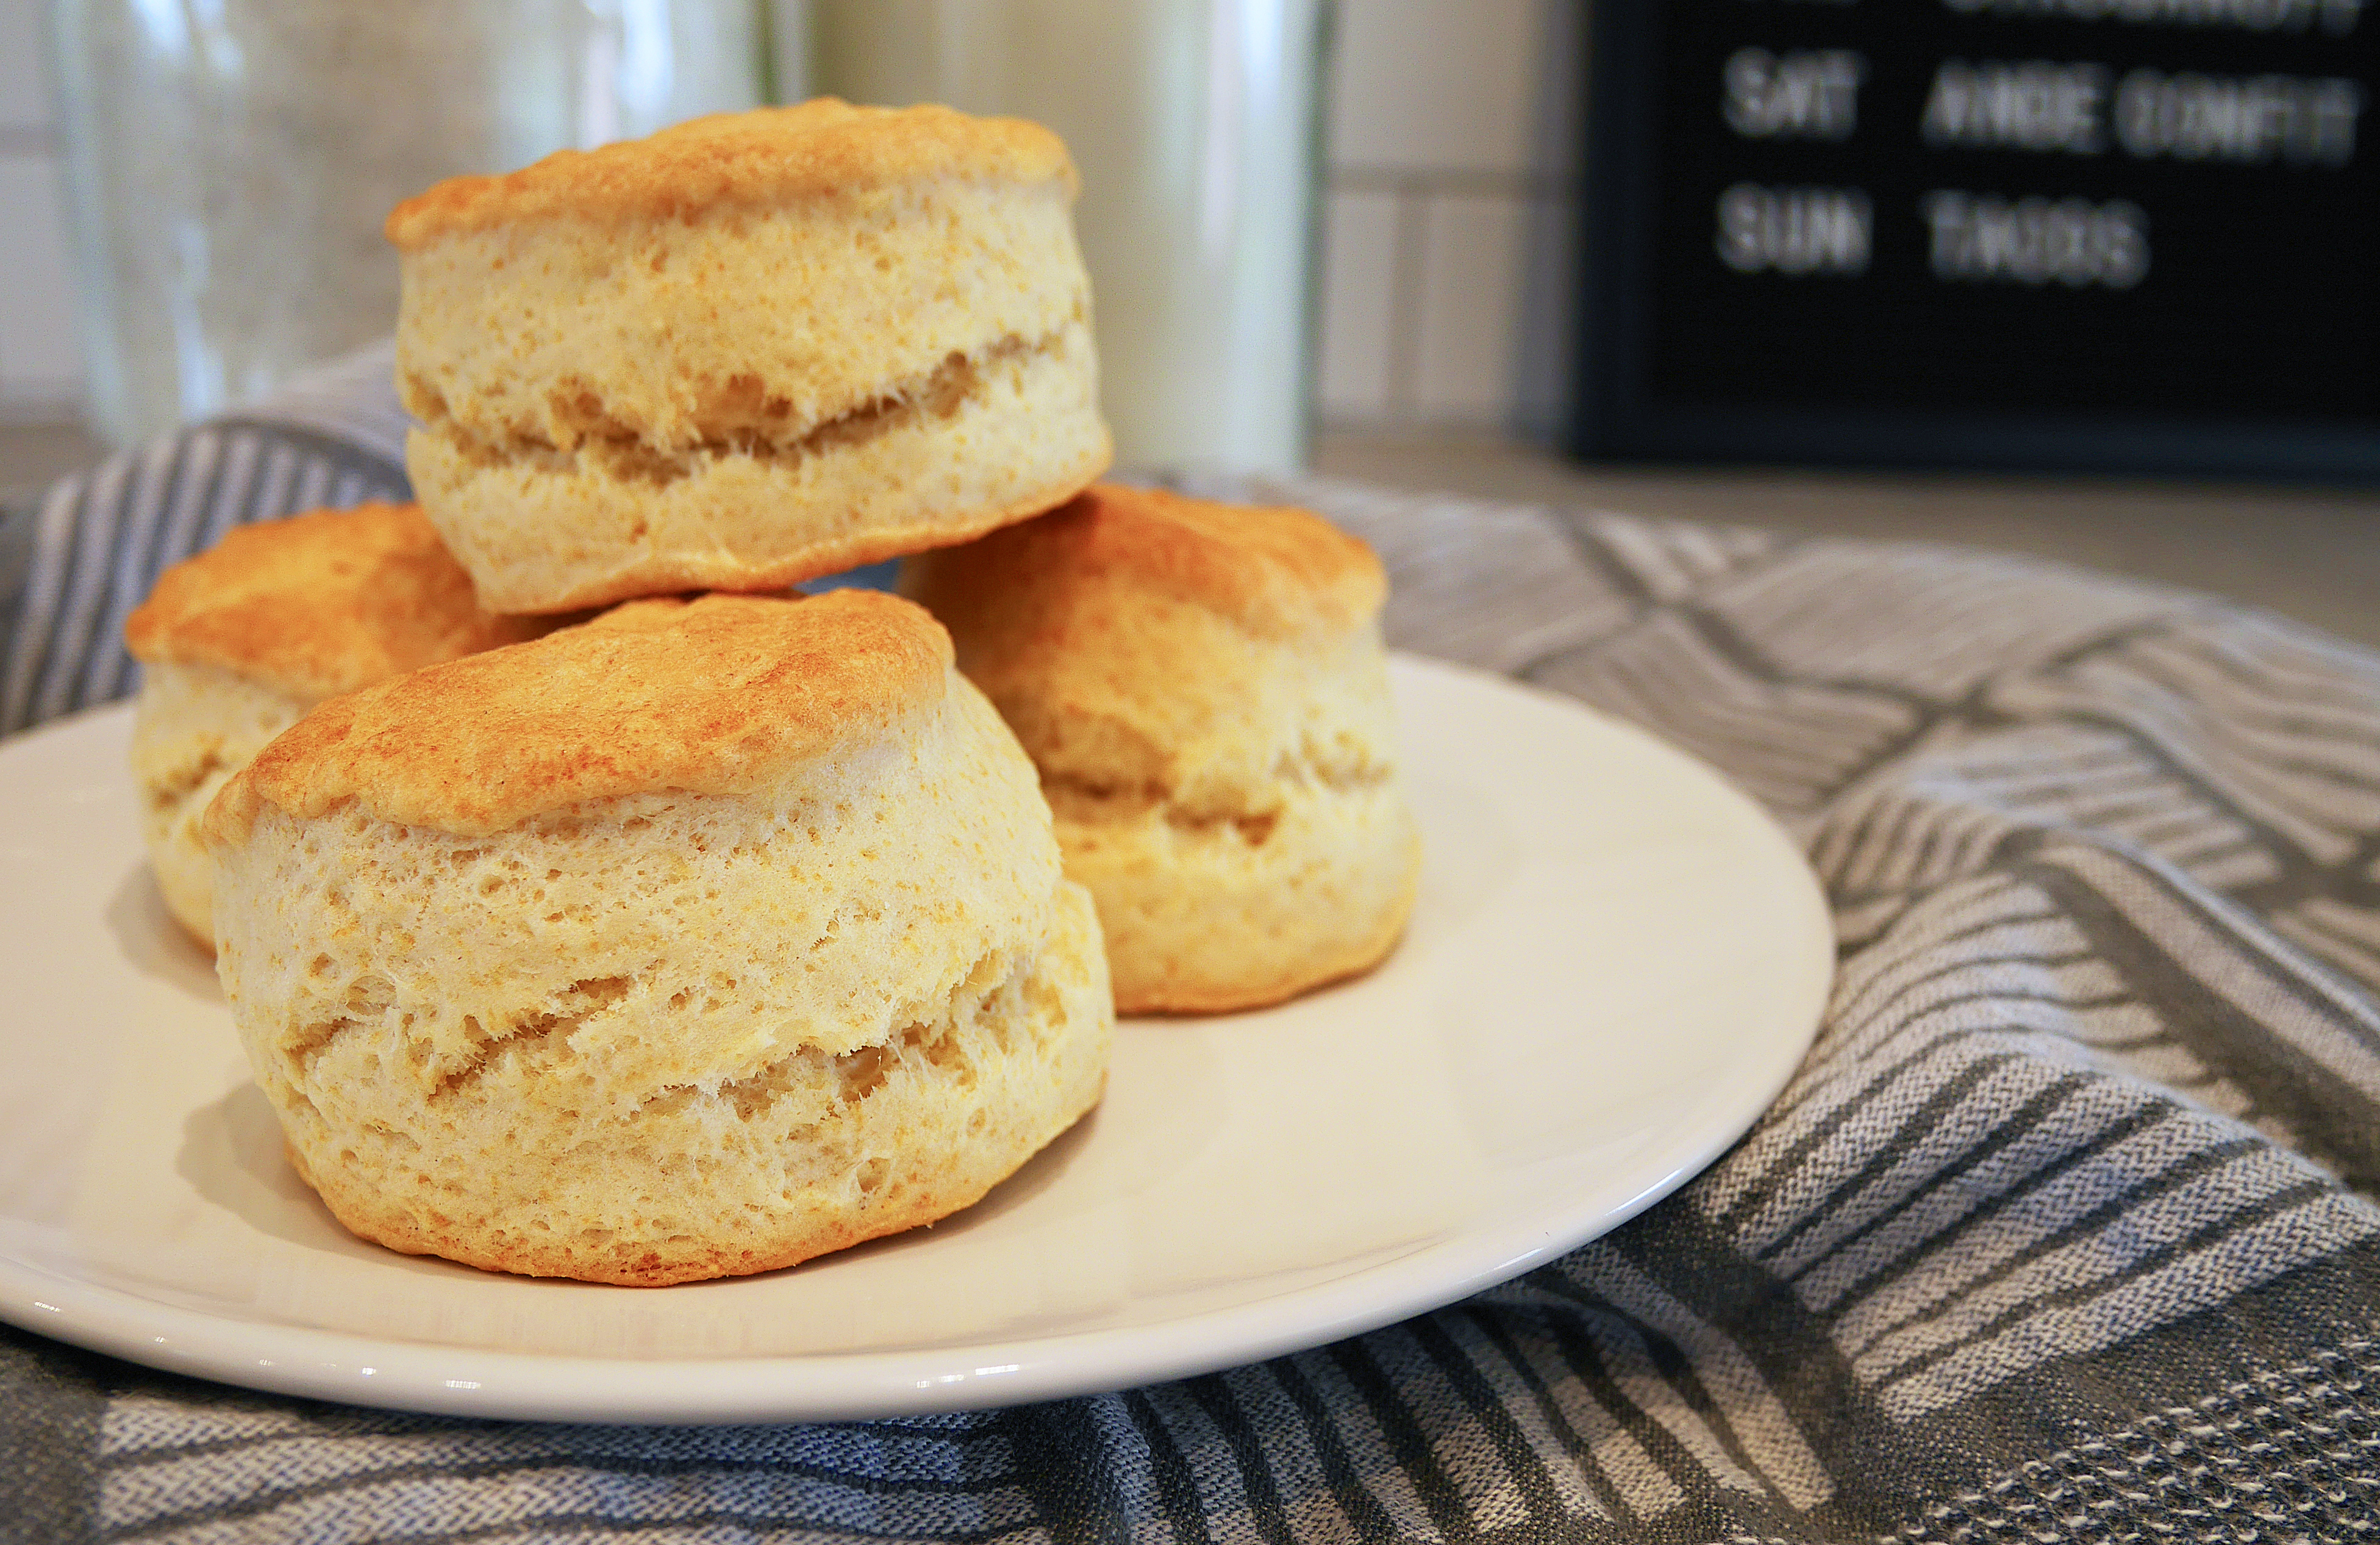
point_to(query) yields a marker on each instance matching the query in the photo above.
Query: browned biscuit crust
(321, 604)
(734, 690)
(921, 1195)
(1275, 570)
(741, 159)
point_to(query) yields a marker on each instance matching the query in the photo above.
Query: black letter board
(2113, 235)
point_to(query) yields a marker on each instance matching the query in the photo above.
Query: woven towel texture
(2059, 1233)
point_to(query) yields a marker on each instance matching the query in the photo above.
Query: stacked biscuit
(709, 934)
(1204, 689)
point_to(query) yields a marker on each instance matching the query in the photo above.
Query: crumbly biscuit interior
(193, 727)
(1252, 725)
(811, 1151)
(770, 334)
(828, 913)
(1203, 918)
(612, 449)
(1251, 858)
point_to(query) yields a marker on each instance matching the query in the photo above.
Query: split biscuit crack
(741, 423)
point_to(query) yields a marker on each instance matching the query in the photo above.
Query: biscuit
(239, 641)
(692, 942)
(750, 350)
(1204, 690)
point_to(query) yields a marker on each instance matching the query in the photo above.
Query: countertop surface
(2308, 553)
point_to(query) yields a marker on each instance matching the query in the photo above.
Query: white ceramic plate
(1616, 962)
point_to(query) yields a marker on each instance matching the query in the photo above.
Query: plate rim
(346, 1366)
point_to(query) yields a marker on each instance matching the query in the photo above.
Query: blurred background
(1440, 170)
(1340, 236)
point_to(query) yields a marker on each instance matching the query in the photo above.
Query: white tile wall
(24, 91)
(1466, 319)
(41, 370)
(1451, 152)
(1435, 85)
(39, 357)
(1359, 303)
(1445, 122)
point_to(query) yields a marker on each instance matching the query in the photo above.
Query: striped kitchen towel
(74, 565)
(2061, 1233)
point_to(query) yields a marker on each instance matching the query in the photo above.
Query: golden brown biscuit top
(766, 156)
(650, 612)
(321, 604)
(716, 696)
(1275, 570)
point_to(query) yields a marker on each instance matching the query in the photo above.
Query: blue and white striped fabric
(87, 554)
(2062, 1233)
